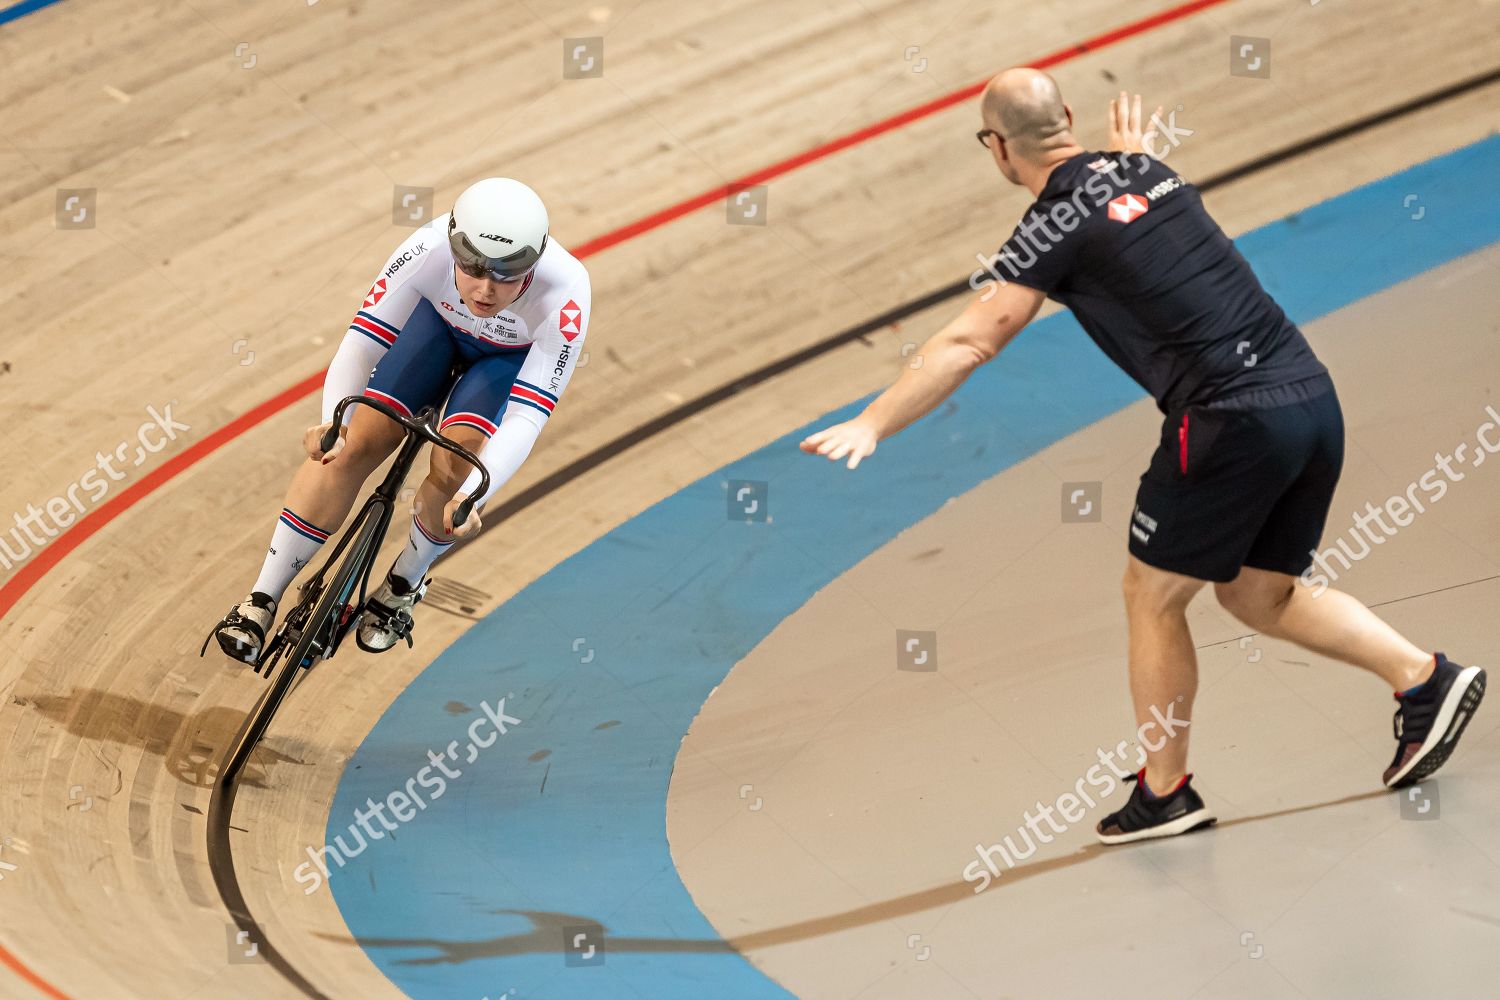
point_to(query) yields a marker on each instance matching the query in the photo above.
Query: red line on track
(881, 127)
(112, 508)
(43, 987)
(49, 556)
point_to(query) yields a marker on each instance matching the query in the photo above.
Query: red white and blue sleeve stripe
(373, 327)
(533, 396)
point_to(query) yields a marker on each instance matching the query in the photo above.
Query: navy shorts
(1241, 485)
(429, 363)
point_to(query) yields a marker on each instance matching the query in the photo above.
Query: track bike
(326, 611)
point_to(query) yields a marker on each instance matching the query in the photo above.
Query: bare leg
(445, 475)
(323, 494)
(430, 538)
(388, 617)
(1163, 664)
(1333, 624)
(319, 499)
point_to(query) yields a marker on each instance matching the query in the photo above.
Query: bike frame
(310, 629)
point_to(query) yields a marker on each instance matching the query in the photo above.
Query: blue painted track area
(543, 866)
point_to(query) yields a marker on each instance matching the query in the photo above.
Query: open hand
(1125, 132)
(853, 439)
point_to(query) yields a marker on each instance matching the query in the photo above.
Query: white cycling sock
(420, 553)
(293, 545)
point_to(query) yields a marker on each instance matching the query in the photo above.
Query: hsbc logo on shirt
(405, 258)
(1165, 187)
(563, 356)
(570, 320)
(1127, 208)
(377, 292)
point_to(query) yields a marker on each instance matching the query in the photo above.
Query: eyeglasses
(507, 269)
(983, 135)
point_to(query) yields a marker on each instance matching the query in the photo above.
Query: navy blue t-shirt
(1126, 244)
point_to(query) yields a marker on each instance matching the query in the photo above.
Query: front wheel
(319, 633)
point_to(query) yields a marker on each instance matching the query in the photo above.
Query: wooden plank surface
(241, 212)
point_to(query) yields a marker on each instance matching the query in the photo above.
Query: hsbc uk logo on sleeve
(570, 320)
(404, 258)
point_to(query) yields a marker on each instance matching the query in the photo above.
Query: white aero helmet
(498, 229)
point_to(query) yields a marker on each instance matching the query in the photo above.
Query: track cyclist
(480, 309)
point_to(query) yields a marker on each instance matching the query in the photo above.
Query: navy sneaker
(1147, 815)
(1430, 718)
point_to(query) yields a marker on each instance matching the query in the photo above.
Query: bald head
(1026, 108)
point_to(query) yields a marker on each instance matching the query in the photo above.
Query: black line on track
(221, 804)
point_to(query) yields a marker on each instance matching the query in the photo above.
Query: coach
(1239, 489)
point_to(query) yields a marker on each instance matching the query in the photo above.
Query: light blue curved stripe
(667, 603)
(20, 10)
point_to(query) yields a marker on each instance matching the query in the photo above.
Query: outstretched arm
(975, 336)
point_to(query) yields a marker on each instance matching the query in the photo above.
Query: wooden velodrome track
(244, 158)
